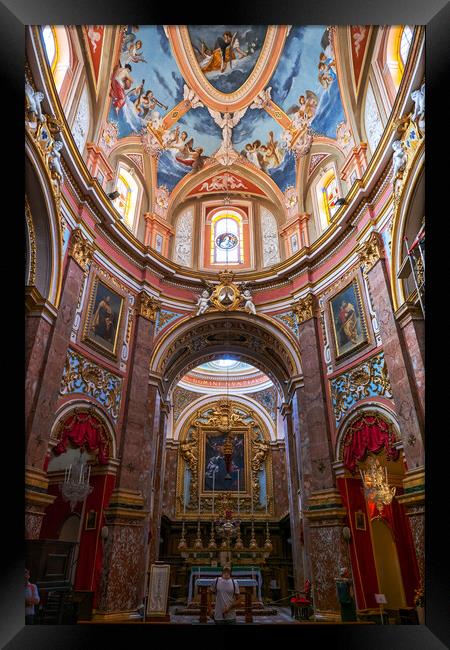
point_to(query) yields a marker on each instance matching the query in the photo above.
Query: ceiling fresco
(150, 98)
(227, 53)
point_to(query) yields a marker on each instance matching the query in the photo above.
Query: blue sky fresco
(160, 72)
(297, 71)
(250, 39)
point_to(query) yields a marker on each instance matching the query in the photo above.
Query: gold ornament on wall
(218, 424)
(81, 249)
(148, 306)
(304, 309)
(370, 252)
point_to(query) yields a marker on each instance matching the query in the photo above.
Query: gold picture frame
(360, 520)
(205, 431)
(103, 320)
(349, 321)
(158, 590)
(91, 520)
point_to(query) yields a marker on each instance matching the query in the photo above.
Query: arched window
(126, 202)
(372, 120)
(327, 190)
(405, 43)
(227, 241)
(57, 50)
(50, 45)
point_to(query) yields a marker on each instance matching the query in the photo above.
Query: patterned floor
(283, 616)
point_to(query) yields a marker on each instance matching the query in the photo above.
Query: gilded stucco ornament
(223, 417)
(148, 306)
(304, 309)
(225, 296)
(81, 249)
(370, 252)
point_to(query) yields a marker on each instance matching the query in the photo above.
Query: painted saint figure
(348, 321)
(103, 319)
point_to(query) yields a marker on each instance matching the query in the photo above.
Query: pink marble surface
(400, 372)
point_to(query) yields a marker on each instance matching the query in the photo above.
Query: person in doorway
(31, 599)
(227, 598)
(345, 596)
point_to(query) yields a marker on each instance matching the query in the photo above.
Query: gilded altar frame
(192, 455)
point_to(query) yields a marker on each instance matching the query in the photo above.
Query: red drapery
(83, 428)
(370, 433)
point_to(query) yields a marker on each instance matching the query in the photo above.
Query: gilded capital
(148, 306)
(304, 309)
(370, 252)
(81, 249)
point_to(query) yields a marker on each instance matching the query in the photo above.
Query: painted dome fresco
(225, 146)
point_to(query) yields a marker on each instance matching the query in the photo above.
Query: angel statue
(203, 303)
(33, 101)
(226, 122)
(55, 159)
(249, 305)
(399, 157)
(418, 97)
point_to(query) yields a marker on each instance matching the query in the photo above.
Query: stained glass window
(405, 42)
(125, 203)
(327, 195)
(50, 43)
(227, 242)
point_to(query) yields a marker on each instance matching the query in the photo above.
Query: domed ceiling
(225, 375)
(272, 86)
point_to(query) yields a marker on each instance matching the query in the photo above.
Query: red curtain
(84, 429)
(368, 434)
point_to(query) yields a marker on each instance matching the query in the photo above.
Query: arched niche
(408, 220)
(202, 470)
(44, 245)
(82, 411)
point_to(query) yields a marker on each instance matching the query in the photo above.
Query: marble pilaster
(398, 362)
(327, 547)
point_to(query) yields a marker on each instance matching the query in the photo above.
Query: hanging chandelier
(76, 482)
(376, 485)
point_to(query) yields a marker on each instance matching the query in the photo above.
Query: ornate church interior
(225, 311)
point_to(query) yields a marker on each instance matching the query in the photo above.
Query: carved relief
(81, 249)
(368, 379)
(32, 239)
(370, 252)
(269, 233)
(148, 306)
(83, 376)
(304, 309)
(213, 422)
(183, 239)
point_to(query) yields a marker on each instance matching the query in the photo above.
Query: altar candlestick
(239, 505)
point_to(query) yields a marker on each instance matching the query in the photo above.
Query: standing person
(345, 596)
(227, 598)
(31, 599)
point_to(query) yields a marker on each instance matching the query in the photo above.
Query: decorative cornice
(370, 252)
(304, 309)
(148, 306)
(81, 249)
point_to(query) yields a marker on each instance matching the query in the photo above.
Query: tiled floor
(283, 616)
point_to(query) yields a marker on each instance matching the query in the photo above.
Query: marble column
(398, 362)
(39, 321)
(328, 549)
(315, 456)
(157, 488)
(412, 324)
(315, 429)
(413, 499)
(129, 514)
(296, 523)
(43, 407)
